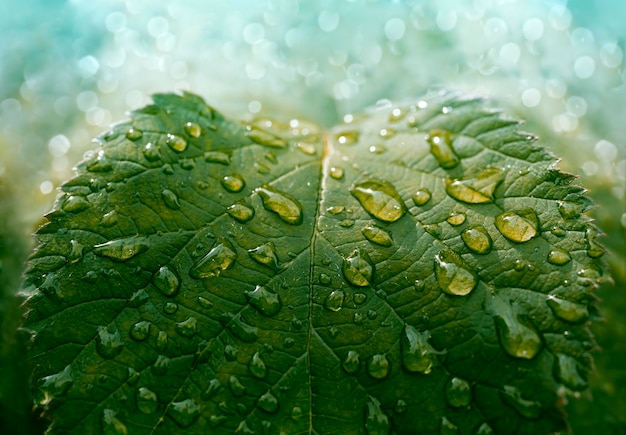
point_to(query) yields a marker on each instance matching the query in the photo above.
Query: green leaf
(420, 268)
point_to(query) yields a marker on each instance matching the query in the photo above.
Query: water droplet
(184, 413)
(217, 420)
(176, 143)
(75, 204)
(132, 376)
(187, 328)
(387, 133)
(441, 148)
(306, 148)
(238, 328)
(122, 249)
(161, 365)
(377, 235)
(325, 279)
(594, 249)
(376, 422)
(336, 172)
(396, 114)
(334, 300)
(146, 401)
(140, 331)
(151, 152)
(419, 285)
(484, 429)
(401, 407)
(570, 210)
(204, 302)
(233, 183)
(456, 218)
(358, 269)
(380, 199)
(240, 212)
(421, 197)
(558, 231)
(236, 387)
(352, 363)
(193, 129)
(512, 396)
(76, 251)
(458, 392)
(56, 385)
(447, 427)
(516, 338)
(378, 366)
(217, 157)
(284, 205)
(100, 164)
(111, 425)
(212, 389)
(170, 308)
(265, 301)
(109, 219)
(170, 199)
(569, 311)
(257, 366)
(358, 318)
(418, 356)
(268, 403)
(477, 239)
(265, 255)
(347, 137)
(109, 342)
(559, 257)
(296, 323)
(475, 190)
(336, 209)
(520, 226)
(221, 257)
(346, 223)
(359, 298)
(296, 413)
(371, 314)
(230, 352)
(453, 275)
(166, 281)
(288, 342)
(265, 138)
(566, 371)
(161, 341)
(590, 271)
(134, 134)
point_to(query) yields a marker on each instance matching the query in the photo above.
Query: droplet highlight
(257, 366)
(176, 143)
(334, 300)
(240, 212)
(512, 396)
(122, 249)
(265, 255)
(109, 342)
(559, 257)
(170, 199)
(352, 363)
(458, 392)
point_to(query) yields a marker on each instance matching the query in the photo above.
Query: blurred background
(70, 68)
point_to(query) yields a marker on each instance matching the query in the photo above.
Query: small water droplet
(257, 366)
(265, 255)
(516, 338)
(377, 149)
(346, 223)
(559, 257)
(288, 342)
(160, 366)
(230, 352)
(570, 210)
(441, 148)
(146, 401)
(296, 413)
(212, 389)
(187, 328)
(109, 342)
(348, 137)
(418, 356)
(111, 425)
(167, 169)
(296, 323)
(204, 303)
(236, 387)
(419, 285)
(240, 212)
(220, 258)
(75, 204)
(140, 331)
(166, 281)
(569, 311)
(134, 134)
(238, 328)
(336, 172)
(233, 183)
(421, 196)
(170, 308)
(334, 300)
(56, 385)
(359, 298)
(109, 219)
(358, 268)
(325, 279)
(377, 235)
(594, 249)
(512, 396)
(566, 371)
(380, 199)
(456, 218)
(378, 366)
(352, 363)
(193, 129)
(400, 407)
(285, 206)
(590, 271)
(453, 275)
(458, 392)
(76, 251)
(387, 133)
(170, 199)
(475, 190)
(518, 226)
(558, 231)
(161, 341)
(184, 413)
(447, 427)
(358, 318)
(268, 403)
(176, 143)
(217, 157)
(336, 209)
(484, 429)
(396, 114)
(376, 422)
(265, 301)
(265, 138)
(122, 249)
(132, 376)
(306, 148)
(100, 164)
(477, 239)
(217, 420)
(151, 152)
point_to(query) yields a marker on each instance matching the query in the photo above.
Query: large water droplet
(380, 199)
(233, 183)
(475, 190)
(559, 257)
(516, 338)
(240, 212)
(170, 308)
(358, 268)
(75, 204)
(170, 199)
(109, 342)
(336, 172)
(518, 226)
(566, 371)
(447, 427)
(146, 401)
(377, 235)
(569, 311)
(193, 129)
(441, 148)
(455, 218)
(268, 403)
(378, 366)
(512, 396)
(221, 257)
(376, 422)
(421, 197)
(166, 281)
(184, 413)
(187, 328)
(348, 137)
(151, 152)
(352, 363)
(458, 392)
(265, 301)
(109, 219)
(265, 255)
(238, 328)
(56, 385)
(236, 387)
(140, 331)
(477, 239)
(122, 249)
(334, 300)
(217, 157)
(418, 356)
(111, 425)
(257, 366)
(285, 206)
(176, 143)
(453, 275)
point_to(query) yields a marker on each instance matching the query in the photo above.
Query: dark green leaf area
(420, 268)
